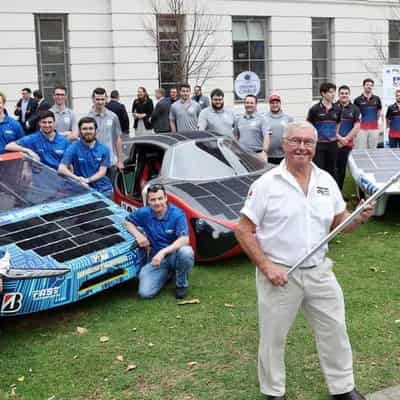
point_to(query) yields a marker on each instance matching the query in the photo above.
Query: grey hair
(300, 125)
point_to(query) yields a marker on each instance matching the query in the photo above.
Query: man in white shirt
(290, 209)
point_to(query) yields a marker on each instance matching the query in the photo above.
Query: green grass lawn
(219, 336)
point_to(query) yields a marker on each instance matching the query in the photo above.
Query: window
(51, 48)
(170, 28)
(249, 48)
(321, 53)
(394, 42)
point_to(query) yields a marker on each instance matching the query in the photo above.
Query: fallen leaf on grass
(374, 269)
(192, 364)
(193, 301)
(120, 358)
(151, 344)
(178, 317)
(131, 367)
(229, 305)
(21, 378)
(12, 392)
(81, 330)
(104, 339)
(51, 398)
(397, 321)
(75, 357)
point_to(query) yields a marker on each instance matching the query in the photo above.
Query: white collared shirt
(288, 222)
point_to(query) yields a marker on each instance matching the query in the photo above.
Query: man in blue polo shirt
(348, 130)
(87, 160)
(371, 110)
(325, 116)
(161, 229)
(46, 145)
(393, 121)
(10, 129)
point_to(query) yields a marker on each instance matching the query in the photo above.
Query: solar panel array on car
(224, 197)
(65, 235)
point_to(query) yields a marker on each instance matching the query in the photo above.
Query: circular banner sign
(247, 82)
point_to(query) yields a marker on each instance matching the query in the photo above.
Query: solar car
(205, 174)
(59, 241)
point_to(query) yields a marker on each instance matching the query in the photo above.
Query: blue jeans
(152, 280)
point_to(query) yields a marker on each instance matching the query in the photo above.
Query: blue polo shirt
(160, 232)
(369, 108)
(50, 152)
(10, 131)
(325, 121)
(86, 161)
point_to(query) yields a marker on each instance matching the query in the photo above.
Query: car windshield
(210, 159)
(25, 183)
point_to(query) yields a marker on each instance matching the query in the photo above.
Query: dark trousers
(275, 160)
(326, 157)
(394, 142)
(342, 157)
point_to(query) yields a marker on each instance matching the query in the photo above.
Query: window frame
(393, 60)
(249, 60)
(63, 18)
(178, 39)
(328, 60)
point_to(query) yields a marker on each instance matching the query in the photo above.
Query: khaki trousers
(367, 139)
(317, 292)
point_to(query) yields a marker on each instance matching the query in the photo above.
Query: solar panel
(216, 207)
(221, 192)
(66, 234)
(376, 166)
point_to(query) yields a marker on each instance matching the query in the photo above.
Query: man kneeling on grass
(161, 229)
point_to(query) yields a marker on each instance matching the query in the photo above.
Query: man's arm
(174, 246)
(66, 170)
(13, 146)
(172, 119)
(245, 234)
(141, 239)
(357, 221)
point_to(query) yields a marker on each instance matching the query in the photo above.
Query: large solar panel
(221, 198)
(66, 234)
(376, 166)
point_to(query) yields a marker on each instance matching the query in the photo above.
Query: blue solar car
(59, 241)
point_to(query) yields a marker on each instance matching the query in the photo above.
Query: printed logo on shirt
(59, 151)
(81, 159)
(99, 158)
(8, 131)
(169, 231)
(109, 122)
(324, 191)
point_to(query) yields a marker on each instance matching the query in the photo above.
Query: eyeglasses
(296, 142)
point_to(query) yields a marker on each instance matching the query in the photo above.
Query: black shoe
(353, 395)
(181, 292)
(268, 397)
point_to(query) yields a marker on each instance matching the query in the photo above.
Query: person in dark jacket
(160, 115)
(25, 107)
(41, 105)
(118, 108)
(142, 108)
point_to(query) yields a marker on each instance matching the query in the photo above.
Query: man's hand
(142, 240)
(83, 181)
(120, 165)
(33, 155)
(277, 275)
(367, 212)
(157, 259)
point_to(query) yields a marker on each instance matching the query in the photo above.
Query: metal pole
(376, 194)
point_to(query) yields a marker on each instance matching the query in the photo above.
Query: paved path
(392, 393)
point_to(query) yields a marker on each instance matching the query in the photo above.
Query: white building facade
(292, 46)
